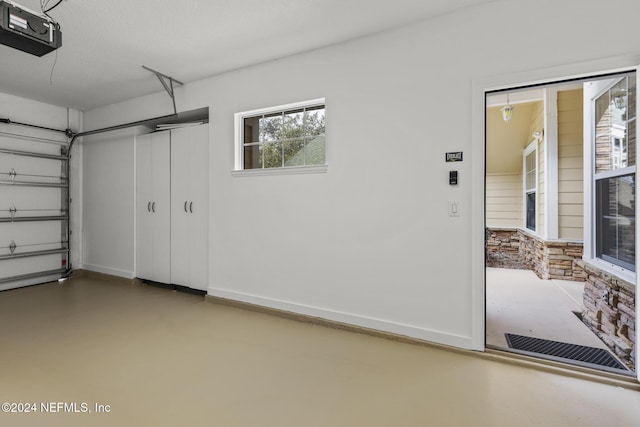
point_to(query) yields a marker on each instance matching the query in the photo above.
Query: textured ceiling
(105, 43)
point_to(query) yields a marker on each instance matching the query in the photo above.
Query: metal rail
(35, 218)
(168, 87)
(11, 122)
(33, 138)
(31, 154)
(154, 120)
(61, 272)
(33, 254)
(35, 184)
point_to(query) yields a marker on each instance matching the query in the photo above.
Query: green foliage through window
(285, 138)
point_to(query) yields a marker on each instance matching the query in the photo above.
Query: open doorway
(560, 221)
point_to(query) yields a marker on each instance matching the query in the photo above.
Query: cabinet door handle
(185, 205)
(191, 207)
(149, 206)
(153, 207)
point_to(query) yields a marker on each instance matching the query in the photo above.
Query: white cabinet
(172, 237)
(153, 207)
(190, 206)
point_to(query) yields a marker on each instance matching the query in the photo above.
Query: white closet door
(190, 206)
(180, 207)
(153, 165)
(199, 224)
(144, 195)
(161, 206)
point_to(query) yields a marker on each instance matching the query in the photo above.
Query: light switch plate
(454, 209)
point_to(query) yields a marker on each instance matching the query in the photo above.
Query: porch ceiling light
(507, 111)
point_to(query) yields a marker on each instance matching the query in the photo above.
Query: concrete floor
(161, 358)
(519, 302)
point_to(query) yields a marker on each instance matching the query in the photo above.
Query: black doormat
(583, 355)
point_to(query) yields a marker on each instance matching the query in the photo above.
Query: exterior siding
(504, 200)
(570, 165)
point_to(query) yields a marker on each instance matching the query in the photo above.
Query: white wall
(109, 202)
(370, 241)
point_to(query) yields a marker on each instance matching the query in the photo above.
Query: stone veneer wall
(609, 302)
(503, 248)
(609, 310)
(551, 259)
(516, 248)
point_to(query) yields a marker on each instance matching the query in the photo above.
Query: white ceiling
(105, 43)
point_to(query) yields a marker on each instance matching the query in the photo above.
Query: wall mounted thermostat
(453, 177)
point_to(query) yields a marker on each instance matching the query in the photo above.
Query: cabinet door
(161, 206)
(199, 221)
(144, 196)
(153, 238)
(180, 205)
(190, 206)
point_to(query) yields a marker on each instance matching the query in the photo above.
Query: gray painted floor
(162, 358)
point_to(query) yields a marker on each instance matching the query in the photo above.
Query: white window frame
(590, 177)
(531, 148)
(239, 142)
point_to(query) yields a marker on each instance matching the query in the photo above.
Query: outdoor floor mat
(577, 353)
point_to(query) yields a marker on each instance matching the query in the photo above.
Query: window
(289, 136)
(615, 173)
(530, 184)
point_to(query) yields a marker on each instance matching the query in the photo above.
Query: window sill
(612, 269)
(280, 171)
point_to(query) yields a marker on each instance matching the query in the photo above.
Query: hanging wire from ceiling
(44, 7)
(53, 67)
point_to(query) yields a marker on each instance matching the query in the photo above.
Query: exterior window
(531, 211)
(530, 185)
(283, 137)
(615, 174)
(615, 220)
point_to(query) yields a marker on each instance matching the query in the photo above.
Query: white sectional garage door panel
(31, 187)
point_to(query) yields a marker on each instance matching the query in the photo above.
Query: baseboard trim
(553, 367)
(339, 320)
(109, 271)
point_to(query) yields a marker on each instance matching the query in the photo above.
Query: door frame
(480, 87)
